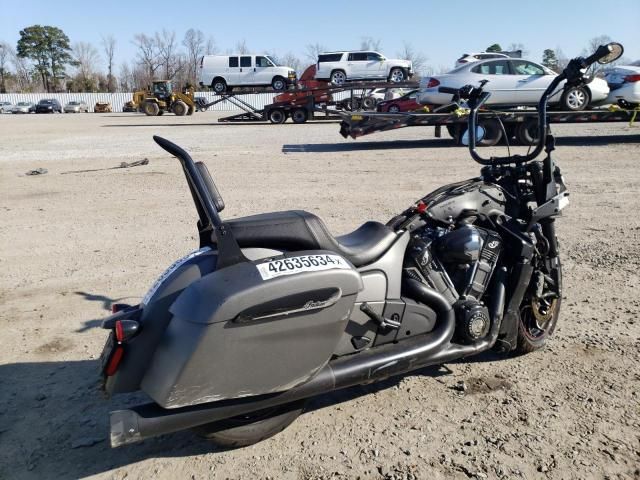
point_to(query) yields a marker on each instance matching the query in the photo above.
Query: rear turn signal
(433, 83)
(632, 78)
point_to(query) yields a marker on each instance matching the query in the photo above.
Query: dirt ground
(73, 242)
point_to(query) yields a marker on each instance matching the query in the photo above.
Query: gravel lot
(72, 242)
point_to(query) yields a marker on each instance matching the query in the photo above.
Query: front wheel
(279, 84)
(179, 108)
(277, 116)
(492, 133)
(397, 75)
(540, 309)
(252, 428)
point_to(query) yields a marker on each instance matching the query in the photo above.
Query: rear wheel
(299, 115)
(219, 85)
(191, 110)
(277, 116)
(150, 108)
(575, 98)
(179, 108)
(253, 428)
(338, 77)
(369, 103)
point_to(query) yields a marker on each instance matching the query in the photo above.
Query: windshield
(275, 64)
(45, 102)
(74, 103)
(23, 104)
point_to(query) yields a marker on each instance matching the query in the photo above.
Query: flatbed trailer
(306, 103)
(518, 123)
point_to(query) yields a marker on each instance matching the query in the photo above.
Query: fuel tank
(451, 201)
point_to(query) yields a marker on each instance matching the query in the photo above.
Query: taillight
(433, 83)
(632, 78)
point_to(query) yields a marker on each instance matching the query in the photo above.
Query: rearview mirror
(615, 52)
(479, 135)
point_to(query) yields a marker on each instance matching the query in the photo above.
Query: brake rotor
(543, 314)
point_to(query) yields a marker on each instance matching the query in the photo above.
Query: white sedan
(624, 82)
(512, 82)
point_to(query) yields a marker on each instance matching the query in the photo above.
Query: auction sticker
(304, 263)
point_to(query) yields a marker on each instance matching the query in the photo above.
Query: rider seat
(296, 230)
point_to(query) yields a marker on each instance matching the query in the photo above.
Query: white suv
(339, 67)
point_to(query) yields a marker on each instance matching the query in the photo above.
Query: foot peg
(379, 319)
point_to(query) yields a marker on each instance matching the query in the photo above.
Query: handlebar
(476, 97)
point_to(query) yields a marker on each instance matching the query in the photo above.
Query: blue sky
(441, 30)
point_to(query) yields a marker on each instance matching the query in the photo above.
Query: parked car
(405, 103)
(102, 107)
(340, 67)
(48, 105)
(6, 107)
(474, 57)
(624, 85)
(24, 107)
(76, 107)
(512, 82)
(129, 106)
(224, 72)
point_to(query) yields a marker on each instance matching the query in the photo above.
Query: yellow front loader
(161, 98)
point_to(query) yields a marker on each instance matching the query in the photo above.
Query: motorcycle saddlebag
(253, 328)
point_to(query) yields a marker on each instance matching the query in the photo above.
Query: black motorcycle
(273, 309)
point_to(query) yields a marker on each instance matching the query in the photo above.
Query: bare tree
(5, 51)
(87, 58)
(210, 48)
(290, 60)
(370, 43)
(22, 71)
(126, 78)
(594, 43)
(167, 47)
(312, 51)
(561, 59)
(109, 47)
(418, 59)
(194, 43)
(513, 47)
(241, 47)
(148, 56)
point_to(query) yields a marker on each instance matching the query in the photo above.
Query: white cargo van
(223, 72)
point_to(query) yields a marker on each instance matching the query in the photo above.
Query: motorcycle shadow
(54, 421)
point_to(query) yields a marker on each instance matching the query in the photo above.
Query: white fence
(117, 100)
